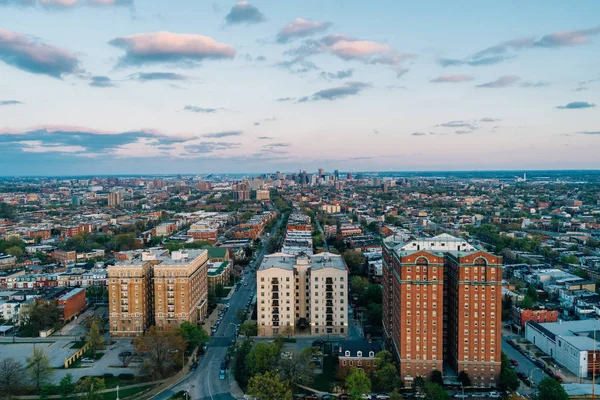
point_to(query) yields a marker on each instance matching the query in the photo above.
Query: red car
(514, 362)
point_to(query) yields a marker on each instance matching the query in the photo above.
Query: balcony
(329, 318)
(275, 288)
(329, 296)
(275, 296)
(275, 303)
(274, 281)
(275, 323)
(329, 281)
(275, 318)
(329, 310)
(329, 303)
(329, 323)
(329, 288)
(275, 310)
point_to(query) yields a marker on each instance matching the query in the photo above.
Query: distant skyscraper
(349, 176)
(321, 172)
(336, 173)
(114, 199)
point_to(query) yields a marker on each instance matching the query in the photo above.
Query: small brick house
(357, 353)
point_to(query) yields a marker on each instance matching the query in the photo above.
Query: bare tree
(11, 376)
(163, 351)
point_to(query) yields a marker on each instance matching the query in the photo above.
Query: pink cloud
(144, 48)
(300, 27)
(452, 78)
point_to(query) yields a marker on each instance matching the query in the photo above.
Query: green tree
(507, 305)
(7, 211)
(386, 378)
(91, 387)
(395, 395)
(373, 294)
(509, 381)
(359, 285)
(357, 383)
(15, 251)
(47, 390)
(193, 335)
(262, 358)
(419, 384)
(240, 314)
(550, 389)
(532, 292)
(95, 340)
(219, 290)
(268, 386)
(433, 391)
(464, 378)
(66, 386)
(248, 329)
(436, 377)
(11, 376)
(355, 261)
(38, 366)
(570, 259)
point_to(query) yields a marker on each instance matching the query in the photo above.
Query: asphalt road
(204, 382)
(525, 366)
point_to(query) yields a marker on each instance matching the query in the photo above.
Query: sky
(164, 87)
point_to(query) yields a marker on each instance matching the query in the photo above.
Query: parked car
(514, 362)
(311, 397)
(382, 396)
(494, 395)
(222, 375)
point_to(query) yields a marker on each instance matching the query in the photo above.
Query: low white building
(571, 344)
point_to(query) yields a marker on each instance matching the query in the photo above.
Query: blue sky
(126, 86)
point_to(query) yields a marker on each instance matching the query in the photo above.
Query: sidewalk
(57, 396)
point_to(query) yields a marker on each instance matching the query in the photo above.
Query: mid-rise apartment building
(442, 301)
(304, 292)
(156, 288)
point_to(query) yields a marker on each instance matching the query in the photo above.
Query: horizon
(131, 87)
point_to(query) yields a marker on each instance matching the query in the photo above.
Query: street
(525, 366)
(204, 382)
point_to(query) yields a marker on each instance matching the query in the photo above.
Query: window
(347, 353)
(359, 353)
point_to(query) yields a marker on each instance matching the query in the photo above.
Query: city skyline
(131, 87)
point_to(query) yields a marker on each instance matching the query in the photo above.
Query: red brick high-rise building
(442, 302)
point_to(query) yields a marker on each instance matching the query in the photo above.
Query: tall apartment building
(114, 199)
(442, 302)
(304, 292)
(157, 289)
(263, 194)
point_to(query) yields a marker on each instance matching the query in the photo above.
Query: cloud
(272, 145)
(157, 76)
(66, 4)
(452, 79)
(35, 56)
(576, 105)
(490, 119)
(244, 13)
(285, 99)
(589, 133)
(351, 49)
(337, 75)
(349, 89)
(506, 50)
(502, 82)
(201, 110)
(9, 102)
(418, 134)
(101, 82)
(219, 135)
(537, 84)
(167, 47)
(301, 28)
(264, 138)
(462, 132)
(298, 65)
(459, 124)
(272, 119)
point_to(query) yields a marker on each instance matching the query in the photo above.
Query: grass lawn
(125, 392)
(77, 345)
(326, 381)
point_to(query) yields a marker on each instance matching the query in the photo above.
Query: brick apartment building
(521, 316)
(156, 288)
(71, 303)
(74, 230)
(442, 302)
(64, 257)
(210, 235)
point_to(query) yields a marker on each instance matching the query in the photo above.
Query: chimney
(340, 350)
(369, 338)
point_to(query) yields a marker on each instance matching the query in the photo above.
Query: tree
(47, 390)
(248, 329)
(386, 378)
(219, 289)
(532, 292)
(193, 335)
(15, 251)
(11, 376)
(269, 386)
(38, 366)
(436, 377)
(66, 386)
(464, 378)
(507, 305)
(509, 381)
(95, 340)
(373, 294)
(433, 391)
(395, 395)
(550, 389)
(91, 387)
(359, 285)
(374, 313)
(299, 368)
(163, 351)
(262, 358)
(240, 314)
(354, 260)
(419, 384)
(212, 296)
(357, 383)
(39, 316)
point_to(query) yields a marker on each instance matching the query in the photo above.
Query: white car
(461, 396)
(494, 395)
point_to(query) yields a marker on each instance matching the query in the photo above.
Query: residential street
(525, 366)
(204, 382)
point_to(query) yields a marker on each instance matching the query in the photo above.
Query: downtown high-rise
(442, 303)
